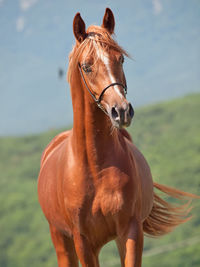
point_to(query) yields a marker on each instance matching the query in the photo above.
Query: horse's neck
(92, 132)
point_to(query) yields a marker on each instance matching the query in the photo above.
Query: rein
(98, 100)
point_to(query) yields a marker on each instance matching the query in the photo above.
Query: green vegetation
(168, 134)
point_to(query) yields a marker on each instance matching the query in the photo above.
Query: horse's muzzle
(121, 116)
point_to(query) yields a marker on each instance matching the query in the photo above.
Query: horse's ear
(79, 28)
(108, 21)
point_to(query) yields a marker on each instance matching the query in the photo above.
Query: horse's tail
(164, 217)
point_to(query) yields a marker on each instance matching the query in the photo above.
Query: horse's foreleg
(130, 245)
(84, 251)
(65, 250)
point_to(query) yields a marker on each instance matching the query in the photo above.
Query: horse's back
(55, 142)
(49, 184)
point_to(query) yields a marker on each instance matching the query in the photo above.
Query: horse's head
(99, 61)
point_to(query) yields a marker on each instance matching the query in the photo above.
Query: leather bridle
(98, 100)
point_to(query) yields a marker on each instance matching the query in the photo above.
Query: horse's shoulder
(137, 155)
(57, 140)
(144, 174)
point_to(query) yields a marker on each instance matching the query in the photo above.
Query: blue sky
(163, 37)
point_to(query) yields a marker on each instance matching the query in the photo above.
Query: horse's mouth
(120, 125)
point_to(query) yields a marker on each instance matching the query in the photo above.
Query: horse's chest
(111, 196)
(108, 202)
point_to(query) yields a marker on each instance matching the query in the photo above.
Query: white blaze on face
(104, 57)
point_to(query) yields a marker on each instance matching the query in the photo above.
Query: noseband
(98, 100)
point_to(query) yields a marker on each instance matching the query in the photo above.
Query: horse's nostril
(114, 113)
(131, 111)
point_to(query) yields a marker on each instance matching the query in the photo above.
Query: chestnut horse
(94, 184)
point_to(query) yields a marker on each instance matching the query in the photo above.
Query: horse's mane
(97, 37)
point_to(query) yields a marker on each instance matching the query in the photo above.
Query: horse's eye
(86, 68)
(121, 59)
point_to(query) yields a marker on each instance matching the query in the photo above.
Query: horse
(94, 184)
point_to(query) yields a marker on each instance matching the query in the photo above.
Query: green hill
(168, 134)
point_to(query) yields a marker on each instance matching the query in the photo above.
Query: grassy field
(168, 134)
